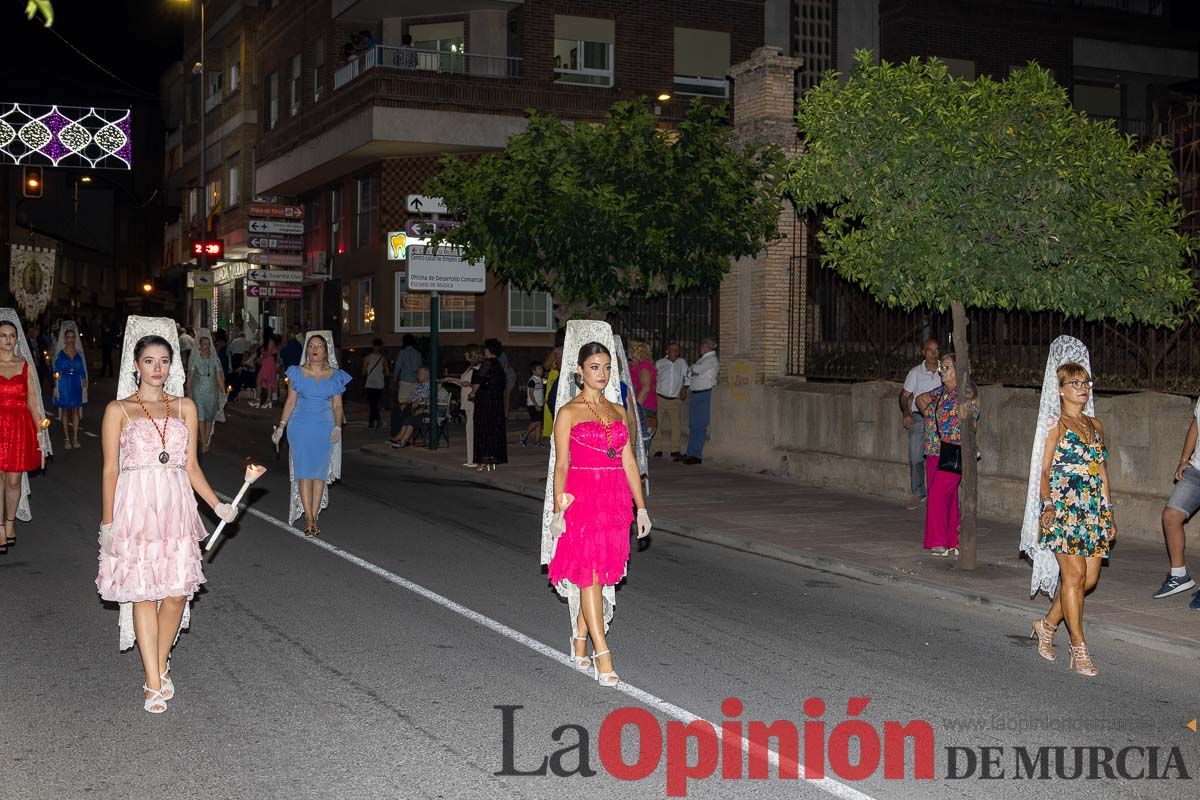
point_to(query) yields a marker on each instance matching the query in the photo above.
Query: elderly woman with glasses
(943, 429)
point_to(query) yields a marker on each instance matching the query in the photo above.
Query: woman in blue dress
(70, 381)
(312, 417)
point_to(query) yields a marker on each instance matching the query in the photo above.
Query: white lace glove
(643, 523)
(225, 512)
(276, 435)
(106, 539)
(558, 523)
(335, 435)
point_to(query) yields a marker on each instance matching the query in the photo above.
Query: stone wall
(850, 436)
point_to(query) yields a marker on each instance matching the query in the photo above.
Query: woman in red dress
(21, 418)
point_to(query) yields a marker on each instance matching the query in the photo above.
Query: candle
(253, 473)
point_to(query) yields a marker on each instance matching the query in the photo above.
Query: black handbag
(949, 454)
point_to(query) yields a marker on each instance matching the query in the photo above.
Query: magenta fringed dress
(156, 526)
(597, 536)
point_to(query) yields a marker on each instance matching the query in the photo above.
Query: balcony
(379, 9)
(410, 60)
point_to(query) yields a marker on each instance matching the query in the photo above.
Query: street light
(86, 179)
(147, 287)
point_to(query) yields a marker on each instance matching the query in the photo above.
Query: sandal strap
(601, 653)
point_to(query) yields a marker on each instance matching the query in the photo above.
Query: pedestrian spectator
(553, 364)
(408, 361)
(644, 377)
(266, 387)
(108, 341)
(238, 348)
(375, 377)
(1183, 503)
(701, 379)
(405, 56)
(418, 415)
(671, 388)
(491, 433)
(510, 381)
(366, 40)
(221, 342)
(290, 352)
(535, 403)
(186, 344)
(924, 377)
(465, 402)
(940, 408)
(1072, 510)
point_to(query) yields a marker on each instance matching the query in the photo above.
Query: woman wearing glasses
(1076, 516)
(940, 407)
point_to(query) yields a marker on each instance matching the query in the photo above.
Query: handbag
(949, 454)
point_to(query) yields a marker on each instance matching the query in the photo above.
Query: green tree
(987, 194)
(599, 213)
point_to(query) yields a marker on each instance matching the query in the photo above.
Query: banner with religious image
(32, 278)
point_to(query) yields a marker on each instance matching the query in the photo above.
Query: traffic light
(213, 248)
(31, 182)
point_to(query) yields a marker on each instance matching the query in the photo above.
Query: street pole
(203, 259)
(434, 309)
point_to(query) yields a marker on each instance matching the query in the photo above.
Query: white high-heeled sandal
(155, 703)
(603, 678)
(168, 686)
(582, 663)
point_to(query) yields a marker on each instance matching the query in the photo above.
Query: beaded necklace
(606, 423)
(163, 457)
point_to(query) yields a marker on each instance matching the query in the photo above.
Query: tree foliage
(988, 193)
(598, 213)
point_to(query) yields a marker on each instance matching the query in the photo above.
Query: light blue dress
(311, 422)
(204, 386)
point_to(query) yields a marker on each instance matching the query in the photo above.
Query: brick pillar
(756, 294)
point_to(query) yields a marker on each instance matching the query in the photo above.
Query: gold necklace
(606, 423)
(163, 457)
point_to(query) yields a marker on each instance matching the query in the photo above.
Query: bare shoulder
(114, 407)
(618, 410)
(1099, 425)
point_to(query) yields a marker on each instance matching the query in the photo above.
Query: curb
(1160, 642)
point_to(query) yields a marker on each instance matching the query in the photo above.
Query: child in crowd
(535, 401)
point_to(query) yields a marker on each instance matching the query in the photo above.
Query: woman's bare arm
(562, 448)
(110, 442)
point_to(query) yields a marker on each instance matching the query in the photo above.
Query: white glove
(558, 523)
(225, 512)
(106, 539)
(276, 435)
(643, 523)
(335, 435)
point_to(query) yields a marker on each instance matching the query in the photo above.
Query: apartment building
(354, 120)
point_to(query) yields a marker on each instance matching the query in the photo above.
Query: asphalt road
(335, 669)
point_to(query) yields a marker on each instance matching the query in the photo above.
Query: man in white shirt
(924, 377)
(1183, 503)
(237, 350)
(186, 344)
(671, 390)
(701, 379)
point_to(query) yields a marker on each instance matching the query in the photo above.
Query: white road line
(646, 698)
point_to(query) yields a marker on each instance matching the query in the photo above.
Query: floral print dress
(1082, 519)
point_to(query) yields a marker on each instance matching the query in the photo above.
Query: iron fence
(847, 335)
(684, 317)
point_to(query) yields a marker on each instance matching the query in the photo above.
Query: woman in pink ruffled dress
(149, 552)
(596, 488)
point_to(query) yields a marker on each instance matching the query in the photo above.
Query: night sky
(135, 39)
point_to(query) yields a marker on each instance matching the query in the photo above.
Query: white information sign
(275, 275)
(444, 271)
(424, 204)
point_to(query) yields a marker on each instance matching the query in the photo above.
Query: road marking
(665, 707)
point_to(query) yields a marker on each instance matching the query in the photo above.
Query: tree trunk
(968, 489)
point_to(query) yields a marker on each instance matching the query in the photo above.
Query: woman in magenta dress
(596, 487)
(150, 528)
(21, 418)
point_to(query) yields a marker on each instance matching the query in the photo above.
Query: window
(193, 203)
(231, 198)
(272, 101)
(295, 97)
(366, 217)
(215, 82)
(583, 50)
(530, 311)
(442, 44)
(364, 318)
(960, 68)
(318, 68)
(235, 76)
(314, 225)
(335, 221)
(214, 195)
(701, 62)
(456, 312)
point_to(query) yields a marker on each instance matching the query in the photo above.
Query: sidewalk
(857, 535)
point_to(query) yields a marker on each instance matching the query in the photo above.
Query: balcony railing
(409, 59)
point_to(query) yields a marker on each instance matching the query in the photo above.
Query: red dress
(19, 449)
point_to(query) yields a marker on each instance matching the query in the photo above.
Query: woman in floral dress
(1077, 523)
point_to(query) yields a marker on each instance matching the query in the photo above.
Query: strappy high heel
(310, 530)
(582, 663)
(168, 686)
(1081, 661)
(603, 678)
(155, 703)
(10, 541)
(1045, 636)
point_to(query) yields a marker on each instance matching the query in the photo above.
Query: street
(331, 668)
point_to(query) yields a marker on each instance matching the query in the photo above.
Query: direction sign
(290, 243)
(424, 204)
(275, 211)
(277, 259)
(275, 275)
(275, 226)
(444, 271)
(426, 228)
(253, 290)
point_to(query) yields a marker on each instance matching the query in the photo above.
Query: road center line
(666, 708)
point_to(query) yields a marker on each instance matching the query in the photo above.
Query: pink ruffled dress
(156, 527)
(596, 540)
